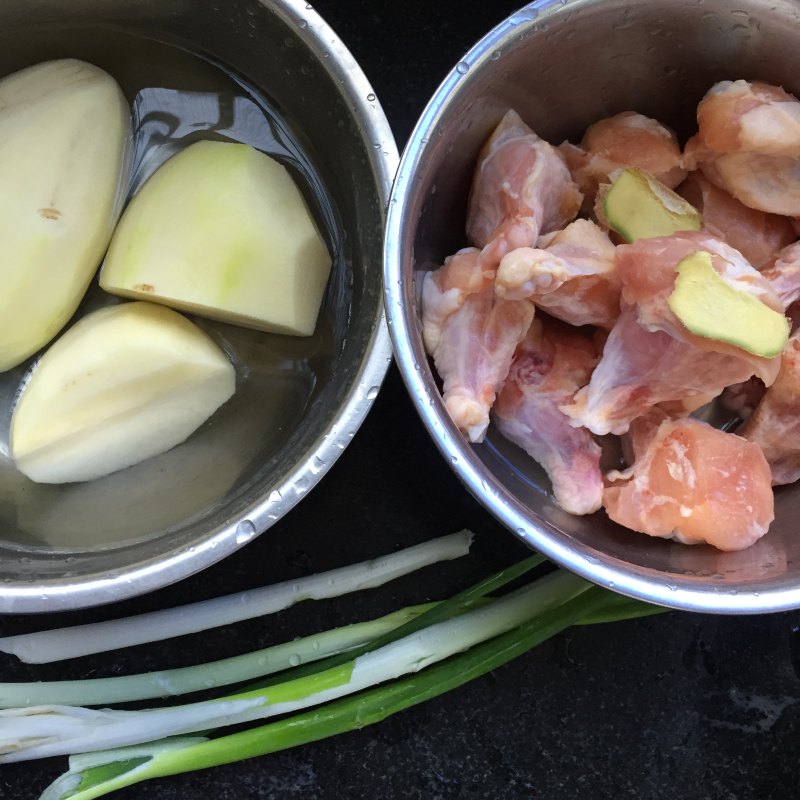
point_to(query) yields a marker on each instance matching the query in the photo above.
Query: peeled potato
(222, 230)
(123, 384)
(64, 145)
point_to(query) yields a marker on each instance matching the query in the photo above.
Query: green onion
(116, 769)
(173, 682)
(362, 673)
(41, 731)
(81, 640)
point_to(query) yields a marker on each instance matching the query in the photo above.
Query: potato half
(123, 384)
(65, 133)
(222, 230)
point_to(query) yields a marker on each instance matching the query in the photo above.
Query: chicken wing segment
(472, 335)
(650, 357)
(572, 275)
(748, 144)
(624, 140)
(550, 365)
(521, 189)
(758, 236)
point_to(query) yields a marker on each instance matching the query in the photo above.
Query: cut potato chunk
(64, 148)
(123, 384)
(222, 230)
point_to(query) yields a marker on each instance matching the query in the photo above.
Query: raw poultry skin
(521, 189)
(650, 357)
(748, 144)
(757, 235)
(571, 274)
(783, 274)
(693, 483)
(624, 140)
(471, 335)
(775, 424)
(550, 364)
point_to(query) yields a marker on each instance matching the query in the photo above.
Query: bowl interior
(273, 75)
(563, 66)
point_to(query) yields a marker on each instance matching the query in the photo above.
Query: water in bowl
(178, 97)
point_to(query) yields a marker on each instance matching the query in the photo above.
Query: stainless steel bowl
(84, 544)
(563, 65)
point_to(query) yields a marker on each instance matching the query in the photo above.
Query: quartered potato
(222, 230)
(123, 384)
(64, 147)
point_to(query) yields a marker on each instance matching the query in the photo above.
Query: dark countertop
(675, 706)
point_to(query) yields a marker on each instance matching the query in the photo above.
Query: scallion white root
(63, 643)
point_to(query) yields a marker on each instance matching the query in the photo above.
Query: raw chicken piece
(783, 274)
(775, 424)
(693, 483)
(624, 140)
(758, 236)
(571, 275)
(550, 364)
(738, 116)
(521, 189)
(471, 335)
(446, 289)
(749, 144)
(650, 357)
(647, 271)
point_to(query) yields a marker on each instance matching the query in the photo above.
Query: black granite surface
(676, 706)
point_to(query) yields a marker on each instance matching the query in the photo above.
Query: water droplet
(275, 496)
(294, 660)
(372, 393)
(245, 531)
(520, 531)
(495, 55)
(371, 97)
(672, 587)
(524, 15)
(303, 23)
(462, 68)
(611, 584)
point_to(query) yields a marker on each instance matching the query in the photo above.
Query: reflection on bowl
(271, 74)
(562, 66)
